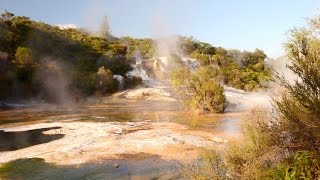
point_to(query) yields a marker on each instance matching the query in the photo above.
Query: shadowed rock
(129, 166)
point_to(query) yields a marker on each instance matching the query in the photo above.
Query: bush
(248, 158)
(285, 146)
(299, 108)
(302, 165)
(203, 58)
(210, 166)
(105, 82)
(27, 43)
(200, 90)
(24, 57)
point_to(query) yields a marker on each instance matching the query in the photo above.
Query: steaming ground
(239, 100)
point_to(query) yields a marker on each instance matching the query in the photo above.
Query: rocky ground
(132, 135)
(117, 149)
(82, 141)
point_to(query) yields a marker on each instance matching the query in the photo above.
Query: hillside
(45, 62)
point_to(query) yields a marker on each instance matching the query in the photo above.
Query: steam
(280, 66)
(138, 69)
(240, 100)
(54, 81)
(166, 42)
(95, 19)
(3, 61)
(167, 46)
(120, 80)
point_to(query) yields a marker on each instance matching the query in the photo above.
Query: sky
(232, 24)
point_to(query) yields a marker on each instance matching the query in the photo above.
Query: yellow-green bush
(200, 90)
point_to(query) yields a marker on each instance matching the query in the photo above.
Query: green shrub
(105, 82)
(200, 90)
(24, 57)
(299, 108)
(210, 166)
(302, 165)
(285, 145)
(249, 157)
(28, 42)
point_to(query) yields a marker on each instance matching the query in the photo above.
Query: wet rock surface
(112, 149)
(95, 140)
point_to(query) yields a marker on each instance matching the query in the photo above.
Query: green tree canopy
(24, 57)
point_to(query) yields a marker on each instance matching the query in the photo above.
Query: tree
(105, 83)
(204, 59)
(105, 28)
(284, 144)
(24, 57)
(299, 107)
(6, 16)
(251, 58)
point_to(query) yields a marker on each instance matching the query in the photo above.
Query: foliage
(302, 165)
(210, 167)
(253, 58)
(27, 43)
(189, 45)
(179, 77)
(242, 70)
(203, 58)
(288, 145)
(248, 158)
(299, 107)
(140, 48)
(200, 90)
(246, 76)
(24, 57)
(6, 16)
(285, 145)
(105, 82)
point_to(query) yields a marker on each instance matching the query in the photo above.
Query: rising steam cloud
(280, 66)
(166, 42)
(54, 81)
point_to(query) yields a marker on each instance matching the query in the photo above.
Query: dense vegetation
(285, 144)
(34, 53)
(202, 90)
(242, 70)
(31, 51)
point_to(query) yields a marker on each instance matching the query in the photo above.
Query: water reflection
(120, 111)
(13, 140)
